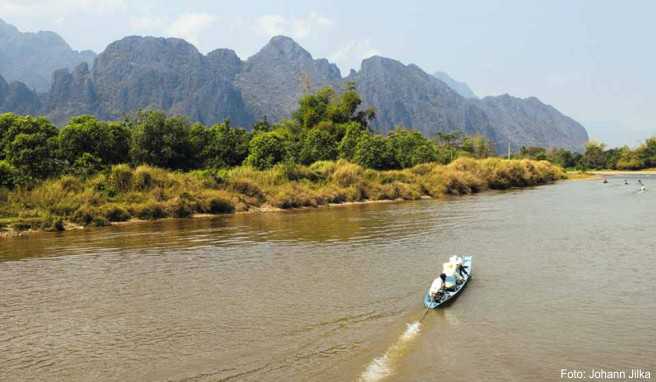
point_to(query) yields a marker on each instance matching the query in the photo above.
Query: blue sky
(592, 60)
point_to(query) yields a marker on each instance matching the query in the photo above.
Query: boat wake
(383, 366)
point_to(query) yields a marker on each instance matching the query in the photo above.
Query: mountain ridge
(137, 72)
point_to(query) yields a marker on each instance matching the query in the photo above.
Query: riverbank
(124, 194)
(648, 171)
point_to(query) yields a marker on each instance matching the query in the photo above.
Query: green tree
(221, 145)
(320, 143)
(266, 149)
(30, 145)
(647, 152)
(374, 151)
(594, 157)
(628, 159)
(7, 174)
(108, 142)
(162, 141)
(353, 131)
(411, 148)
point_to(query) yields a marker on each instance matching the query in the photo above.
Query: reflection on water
(563, 279)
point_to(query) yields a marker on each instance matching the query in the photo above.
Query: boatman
(460, 266)
(436, 289)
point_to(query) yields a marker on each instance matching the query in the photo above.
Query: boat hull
(429, 303)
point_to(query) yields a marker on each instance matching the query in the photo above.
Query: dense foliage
(327, 126)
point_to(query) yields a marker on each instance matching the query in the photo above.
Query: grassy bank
(147, 193)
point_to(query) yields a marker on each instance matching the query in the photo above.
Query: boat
(449, 296)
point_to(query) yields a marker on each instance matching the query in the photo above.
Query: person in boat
(437, 288)
(460, 266)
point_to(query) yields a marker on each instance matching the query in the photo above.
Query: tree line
(326, 126)
(597, 157)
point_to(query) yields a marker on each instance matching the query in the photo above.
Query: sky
(593, 60)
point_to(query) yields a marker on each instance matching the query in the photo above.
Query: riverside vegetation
(151, 166)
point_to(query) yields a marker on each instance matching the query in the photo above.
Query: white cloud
(298, 27)
(350, 55)
(191, 26)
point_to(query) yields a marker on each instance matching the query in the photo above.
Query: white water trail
(383, 366)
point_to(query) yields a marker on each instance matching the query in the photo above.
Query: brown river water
(564, 277)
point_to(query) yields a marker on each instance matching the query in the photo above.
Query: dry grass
(148, 193)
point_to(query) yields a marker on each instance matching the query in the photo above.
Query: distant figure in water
(605, 180)
(626, 181)
(640, 182)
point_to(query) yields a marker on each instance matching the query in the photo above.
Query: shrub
(120, 178)
(149, 211)
(85, 215)
(115, 213)
(180, 208)
(347, 174)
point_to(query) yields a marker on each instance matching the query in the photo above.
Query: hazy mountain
(170, 74)
(274, 78)
(32, 57)
(460, 87)
(18, 98)
(406, 95)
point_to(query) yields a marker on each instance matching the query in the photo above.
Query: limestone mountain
(18, 98)
(273, 79)
(31, 58)
(460, 87)
(172, 75)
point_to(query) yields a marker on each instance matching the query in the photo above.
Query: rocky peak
(32, 57)
(285, 48)
(274, 78)
(459, 87)
(225, 62)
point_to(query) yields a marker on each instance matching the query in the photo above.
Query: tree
(7, 174)
(411, 148)
(313, 108)
(594, 157)
(221, 145)
(353, 131)
(533, 152)
(478, 146)
(30, 145)
(628, 159)
(266, 149)
(326, 105)
(162, 141)
(374, 151)
(562, 157)
(319, 143)
(647, 152)
(108, 142)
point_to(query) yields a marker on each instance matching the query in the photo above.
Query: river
(564, 277)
